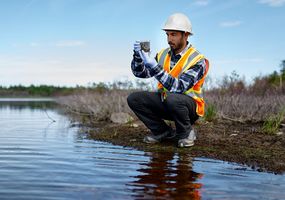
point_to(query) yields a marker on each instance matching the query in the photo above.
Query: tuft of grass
(211, 112)
(273, 123)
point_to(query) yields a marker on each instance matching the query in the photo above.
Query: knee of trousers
(133, 99)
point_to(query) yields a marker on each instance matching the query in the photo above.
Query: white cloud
(59, 70)
(201, 2)
(34, 44)
(229, 24)
(70, 43)
(16, 45)
(273, 3)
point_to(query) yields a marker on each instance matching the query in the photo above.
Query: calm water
(41, 159)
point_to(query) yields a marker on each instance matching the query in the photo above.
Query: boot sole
(149, 142)
(186, 145)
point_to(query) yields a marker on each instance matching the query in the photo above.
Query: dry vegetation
(93, 106)
(246, 107)
(261, 102)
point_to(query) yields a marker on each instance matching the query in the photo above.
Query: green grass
(211, 112)
(272, 124)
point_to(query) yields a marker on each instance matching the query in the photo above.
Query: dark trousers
(152, 111)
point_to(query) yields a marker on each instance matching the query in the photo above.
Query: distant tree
(273, 79)
(101, 87)
(282, 66)
(282, 73)
(234, 77)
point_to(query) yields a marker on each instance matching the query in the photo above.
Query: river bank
(243, 128)
(223, 140)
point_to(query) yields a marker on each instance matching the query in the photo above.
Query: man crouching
(180, 71)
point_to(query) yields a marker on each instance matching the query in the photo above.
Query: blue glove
(149, 62)
(145, 56)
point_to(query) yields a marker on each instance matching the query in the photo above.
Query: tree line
(261, 85)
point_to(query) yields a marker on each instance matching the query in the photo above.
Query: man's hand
(137, 46)
(148, 61)
(145, 56)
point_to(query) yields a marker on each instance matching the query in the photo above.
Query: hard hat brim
(166, 29)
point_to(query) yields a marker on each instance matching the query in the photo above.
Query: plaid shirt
(176, 85)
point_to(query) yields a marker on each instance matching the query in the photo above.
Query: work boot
(189, 141)
(167, 135)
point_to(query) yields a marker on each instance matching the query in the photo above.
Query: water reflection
(167, 176)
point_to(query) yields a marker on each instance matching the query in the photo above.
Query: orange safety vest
(188, 60)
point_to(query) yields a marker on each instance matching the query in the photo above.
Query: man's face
(176, 40)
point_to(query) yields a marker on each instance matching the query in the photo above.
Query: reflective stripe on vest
(189, 59)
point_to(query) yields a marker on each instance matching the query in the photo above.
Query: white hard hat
(178, 22)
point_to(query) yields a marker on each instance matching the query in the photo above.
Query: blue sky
(69, 42)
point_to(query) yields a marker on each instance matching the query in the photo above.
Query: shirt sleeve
(186, 81)
(138, 67)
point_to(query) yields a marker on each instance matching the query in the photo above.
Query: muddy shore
(223, 140)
